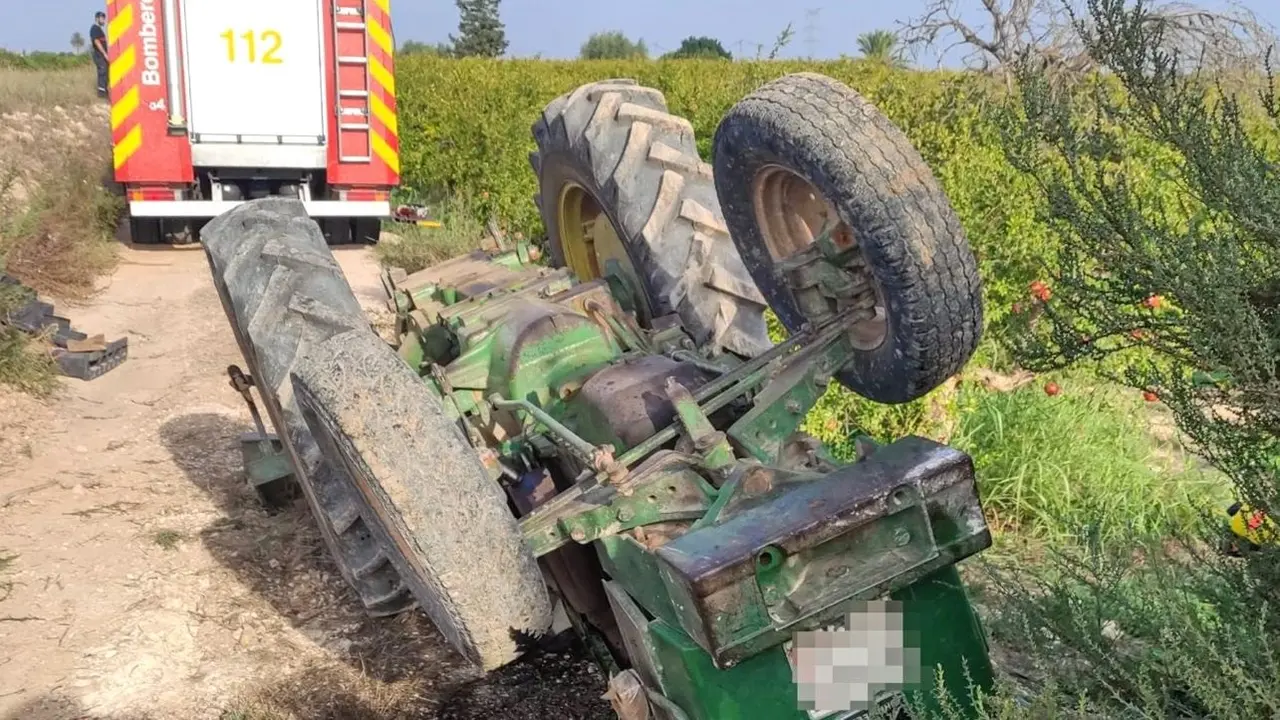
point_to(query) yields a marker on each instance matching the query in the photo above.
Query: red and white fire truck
(215, 103)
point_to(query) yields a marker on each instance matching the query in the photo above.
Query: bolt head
(625, 515)
(901, 537)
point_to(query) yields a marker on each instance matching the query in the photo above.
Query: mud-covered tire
(640, 164)
(430, 502)
(284, 293)
(881, 188)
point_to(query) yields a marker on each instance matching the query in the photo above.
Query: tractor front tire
(284, 294)
(805, 152)
(615, 144)
(443, 520)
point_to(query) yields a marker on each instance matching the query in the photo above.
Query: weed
(1050, 467)
(24, 367)
(6, 561)
(57, 220)
(58, 238)
(417, 247)
(167, 539)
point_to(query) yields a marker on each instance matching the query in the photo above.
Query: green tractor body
(716, 551)
(611, 439)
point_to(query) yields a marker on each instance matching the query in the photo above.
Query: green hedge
(465, 128)
(43, 60)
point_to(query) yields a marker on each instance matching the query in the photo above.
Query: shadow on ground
(382, 668)
(60, 707)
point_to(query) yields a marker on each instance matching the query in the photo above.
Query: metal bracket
(266, 465)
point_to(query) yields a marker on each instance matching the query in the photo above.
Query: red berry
(1040, 291)
(1051, 388)
(1256, 519)
(1155, 302)
(1150, 396)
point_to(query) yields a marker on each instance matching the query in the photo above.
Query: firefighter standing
(98, 38)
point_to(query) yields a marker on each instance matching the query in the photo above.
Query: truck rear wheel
(623, 191)
(145, 231)
(346, 231)
(441, 519)
(806, 152)
(284, 293)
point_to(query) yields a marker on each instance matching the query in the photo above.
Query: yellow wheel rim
(590, 243)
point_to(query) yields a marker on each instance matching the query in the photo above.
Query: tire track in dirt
(147, 581)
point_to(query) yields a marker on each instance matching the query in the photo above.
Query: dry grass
(415, 247)
(57, 217)
(57, 220)
(30, 90)
(334, 691)
(6, 586)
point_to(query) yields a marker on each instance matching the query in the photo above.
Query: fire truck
(216, 103)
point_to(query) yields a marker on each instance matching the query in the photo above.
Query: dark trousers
(101, 64)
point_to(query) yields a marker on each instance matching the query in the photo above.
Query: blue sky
(556, 28)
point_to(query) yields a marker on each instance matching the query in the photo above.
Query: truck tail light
(364, 195)
(154, 193)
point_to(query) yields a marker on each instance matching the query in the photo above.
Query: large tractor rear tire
(284, 294)
(430, 503)
(805, 152)
(621, 185)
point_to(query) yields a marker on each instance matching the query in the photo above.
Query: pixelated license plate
(790, 649)
(843, 670)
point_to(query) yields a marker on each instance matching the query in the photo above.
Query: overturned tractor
(615, 434)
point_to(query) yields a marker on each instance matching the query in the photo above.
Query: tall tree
(77, 42)
(699, 47)
(480, 30)
(880, 46)
(612, 45)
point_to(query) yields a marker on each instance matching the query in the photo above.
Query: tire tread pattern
(646, 172)
(885, 191)
(284, 293)
(457, 544)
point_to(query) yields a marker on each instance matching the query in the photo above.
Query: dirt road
(141, 578)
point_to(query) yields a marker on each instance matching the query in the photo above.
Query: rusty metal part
(627, 697)
(795, 219)
(629, 396)
(241, 383)
(794, 561)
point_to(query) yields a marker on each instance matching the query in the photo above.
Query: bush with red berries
(1166, 278)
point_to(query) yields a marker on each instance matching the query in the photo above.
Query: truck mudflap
(77, 355)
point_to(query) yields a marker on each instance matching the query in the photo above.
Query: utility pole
(811, 31)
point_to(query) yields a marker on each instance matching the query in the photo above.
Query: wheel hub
(594, 250)
(793, 217)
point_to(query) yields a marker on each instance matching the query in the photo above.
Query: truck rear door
(255, 78)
